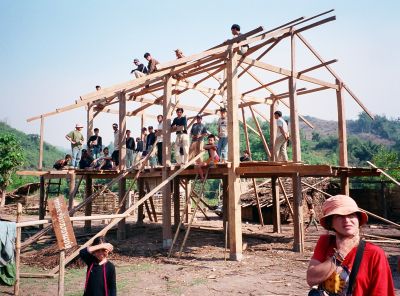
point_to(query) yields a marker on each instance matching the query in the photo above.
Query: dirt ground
(269, 266)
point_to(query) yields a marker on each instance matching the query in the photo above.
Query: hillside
(30, 146)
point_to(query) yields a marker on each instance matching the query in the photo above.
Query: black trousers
(115, 157)
(159, 153)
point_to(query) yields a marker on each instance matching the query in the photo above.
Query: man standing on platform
(77, 140)
(282, 138)
(197, 133)
(159, 138)
(130, 147)
(179, 124)
(115, 154)
(222, 123)
(95, 143)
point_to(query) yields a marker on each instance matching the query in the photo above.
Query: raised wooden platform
(251, 169)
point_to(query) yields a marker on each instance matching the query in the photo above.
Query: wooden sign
(61, 223)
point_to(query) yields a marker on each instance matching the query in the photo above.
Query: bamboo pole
(18, 252)
(384, 173)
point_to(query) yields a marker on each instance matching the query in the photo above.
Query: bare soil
(269, 266)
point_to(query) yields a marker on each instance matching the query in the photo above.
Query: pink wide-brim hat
(341, 205)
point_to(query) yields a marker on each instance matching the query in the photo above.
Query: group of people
(342, 264)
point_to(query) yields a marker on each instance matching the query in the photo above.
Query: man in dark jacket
(141, 69)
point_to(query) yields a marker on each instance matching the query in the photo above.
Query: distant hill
(30, 146)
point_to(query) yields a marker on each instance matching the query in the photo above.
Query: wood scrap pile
(21, 194)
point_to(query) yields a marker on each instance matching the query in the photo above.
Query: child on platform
(62, 163)
(100, 275)
(213, 157)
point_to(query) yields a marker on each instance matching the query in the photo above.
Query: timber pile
(22, 193)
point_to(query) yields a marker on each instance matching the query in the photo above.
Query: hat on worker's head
(78, 125)
(136, 60)
(340, 205)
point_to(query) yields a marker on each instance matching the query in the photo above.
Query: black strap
(356, 266)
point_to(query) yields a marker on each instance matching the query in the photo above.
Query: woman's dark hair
(99, 240)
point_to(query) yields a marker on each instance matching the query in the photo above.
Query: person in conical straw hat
(331, 265)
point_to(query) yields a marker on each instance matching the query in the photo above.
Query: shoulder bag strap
(87, 275)
(356, 266)
(105, 278)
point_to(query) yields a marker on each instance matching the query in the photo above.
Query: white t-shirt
(282, 123)
(223, 127)
(116, 140)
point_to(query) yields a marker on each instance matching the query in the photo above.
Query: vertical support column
(121, 232)
(88, 207)
(188, 190)
(225, 201)
(41, 140)
(235, 210)
(42, 193)
(343, 157)
(276, 205)
(166, 191)
(272, 129)
(89, 118)
(61, 273)
(71, 190)
(296, 149)
(141, 194)
(177, 208)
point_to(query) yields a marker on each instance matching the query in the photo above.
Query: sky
(51, 52)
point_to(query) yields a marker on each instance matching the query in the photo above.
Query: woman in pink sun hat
(333, 266)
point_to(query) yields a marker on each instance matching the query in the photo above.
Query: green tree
(11, 157)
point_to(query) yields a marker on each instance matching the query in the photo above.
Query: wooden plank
(129, 211)
(121, 232)
(61, 223)
(61, 273)
(276, 206)
(234, 218)
(384, 173)
(305, 170)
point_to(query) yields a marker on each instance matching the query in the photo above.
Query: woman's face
(101, 254)
(347, 225)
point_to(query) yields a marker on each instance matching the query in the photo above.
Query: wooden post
(89, 118)
(40, 164)
(235, 216)
(141, 194)
(343, 158)
(188, 200)
(71, 190)
(18, 251)
(272, 129)
(42, 193)
(61, 274)
(177, 208)
(225, 202)
(298, 244)
(121, 232)
(88, 207)
(166, 191)
(276, 205)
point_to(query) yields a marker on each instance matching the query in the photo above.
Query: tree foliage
(11, 157)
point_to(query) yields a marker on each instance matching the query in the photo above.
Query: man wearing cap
(179, 124)
(141, 69)
(77, 140)
(197, 134)
(115, 154)
(331, 265)
(282, 138)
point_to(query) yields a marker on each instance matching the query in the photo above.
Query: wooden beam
(235, 219)
(121, 232)
(316, 54)
(286, 72)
